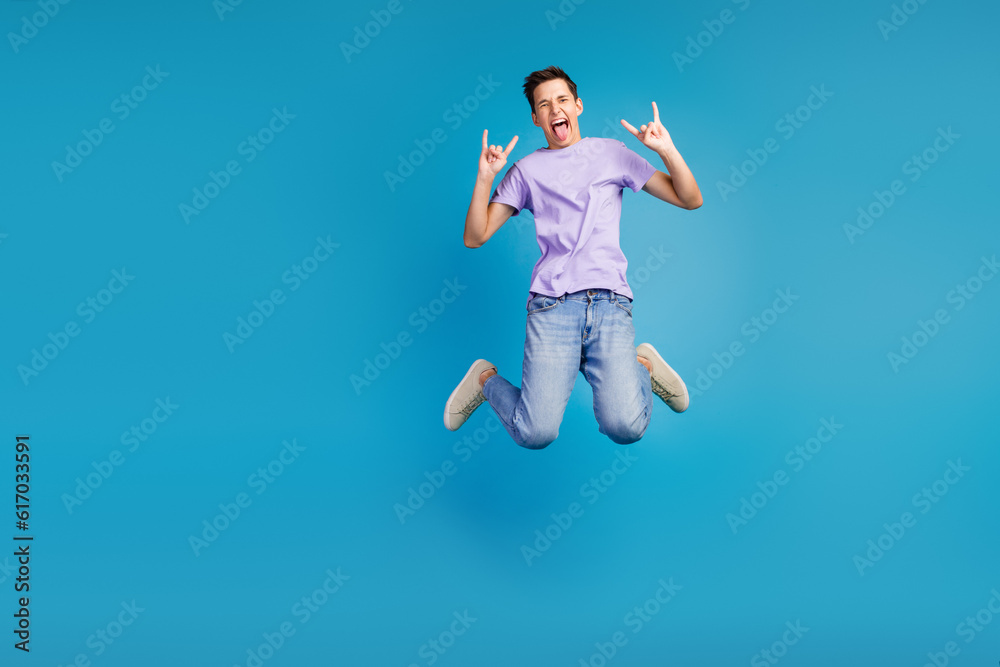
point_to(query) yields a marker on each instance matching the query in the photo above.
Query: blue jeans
(588, 331)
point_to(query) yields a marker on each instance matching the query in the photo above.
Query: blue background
(337, 504)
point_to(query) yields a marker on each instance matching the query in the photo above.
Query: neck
(556, 148)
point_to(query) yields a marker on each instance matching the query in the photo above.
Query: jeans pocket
(541, 303)
(624, 303)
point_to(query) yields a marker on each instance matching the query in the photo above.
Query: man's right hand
(493, 158)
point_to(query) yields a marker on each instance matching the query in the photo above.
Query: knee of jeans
(623, 432)
(539, 438)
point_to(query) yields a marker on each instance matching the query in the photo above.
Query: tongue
(562, 131)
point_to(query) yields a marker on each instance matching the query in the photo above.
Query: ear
(579, 106)
(534, 119)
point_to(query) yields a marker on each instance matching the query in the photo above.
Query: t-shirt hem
(624, 291)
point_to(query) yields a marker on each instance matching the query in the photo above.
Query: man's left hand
(652, 135)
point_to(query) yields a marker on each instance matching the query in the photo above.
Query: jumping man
(579, 308)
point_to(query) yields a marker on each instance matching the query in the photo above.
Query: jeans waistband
(584, 295)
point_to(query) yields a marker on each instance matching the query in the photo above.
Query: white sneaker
(667, 384)
(468, 396)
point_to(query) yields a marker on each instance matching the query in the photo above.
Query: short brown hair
(533, 80)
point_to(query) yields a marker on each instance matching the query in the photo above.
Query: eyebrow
(561, 96)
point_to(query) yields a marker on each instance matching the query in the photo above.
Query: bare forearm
(683, 180)
(477, 220)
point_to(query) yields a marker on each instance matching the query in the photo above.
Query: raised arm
(483, 218)
(677, 187)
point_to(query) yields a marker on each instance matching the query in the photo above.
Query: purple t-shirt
(575, 194)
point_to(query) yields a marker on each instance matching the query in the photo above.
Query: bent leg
(533, 413)
(622, 388)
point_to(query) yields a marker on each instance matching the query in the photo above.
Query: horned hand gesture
(493, 158)
(653, 135)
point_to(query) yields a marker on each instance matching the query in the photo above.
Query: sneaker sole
(451, 398)
(646, 350)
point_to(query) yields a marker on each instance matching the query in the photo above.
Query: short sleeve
(635, 169)
(513, 190)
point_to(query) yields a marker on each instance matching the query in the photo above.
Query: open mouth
(561, 128)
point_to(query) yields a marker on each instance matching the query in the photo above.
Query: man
(580, 305)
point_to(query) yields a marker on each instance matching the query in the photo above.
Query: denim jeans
(588, 331)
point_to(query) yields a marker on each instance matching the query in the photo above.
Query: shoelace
(662, 391)
(473, 403)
